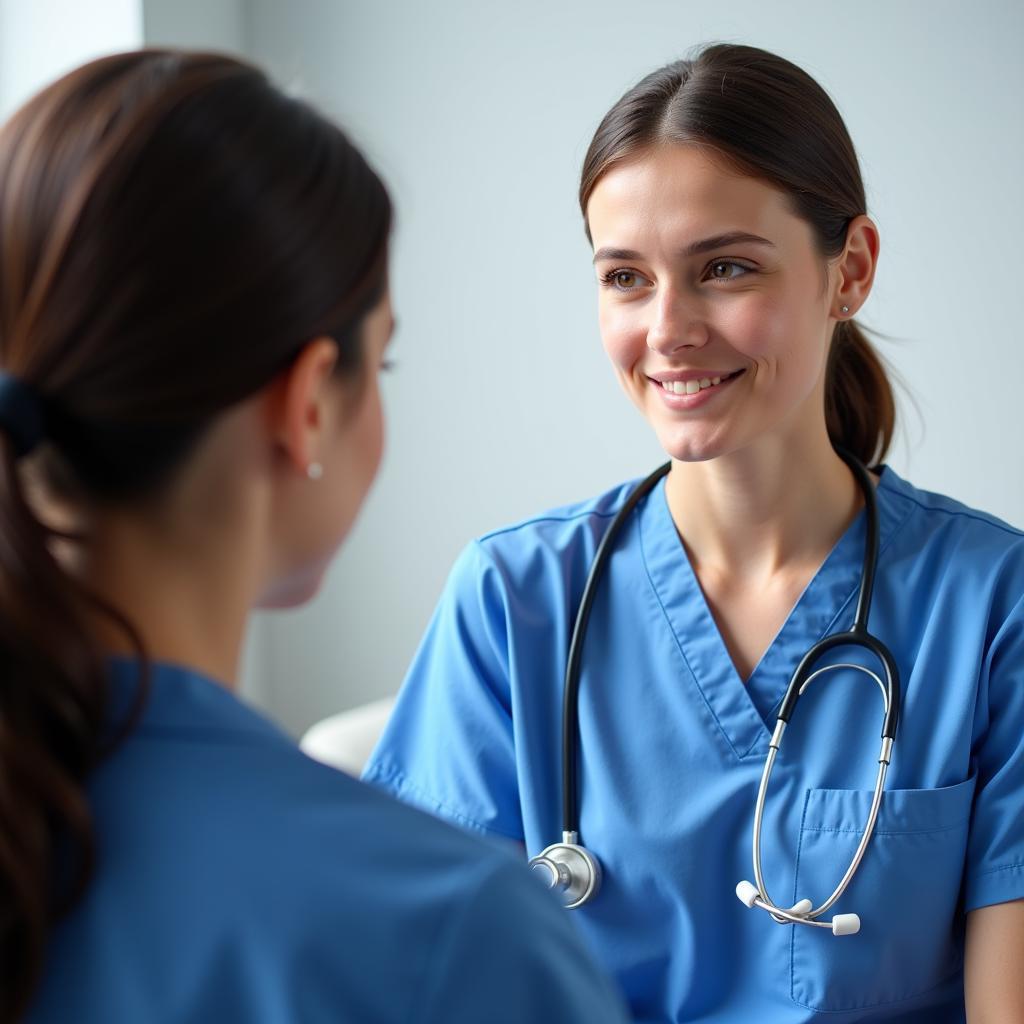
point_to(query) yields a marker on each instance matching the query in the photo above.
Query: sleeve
(448, 747)
(995, 852)
(512, 955)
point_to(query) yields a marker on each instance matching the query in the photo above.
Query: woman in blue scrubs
(193, 314)
(733, 253)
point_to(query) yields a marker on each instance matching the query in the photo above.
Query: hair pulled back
(173, 230)
(772, 121)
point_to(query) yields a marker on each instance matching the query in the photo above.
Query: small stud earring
(314, 471)
(845, 309)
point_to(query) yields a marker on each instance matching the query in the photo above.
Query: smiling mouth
(691, 387)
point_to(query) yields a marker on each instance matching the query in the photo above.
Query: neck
(778, 505)
(186, 583)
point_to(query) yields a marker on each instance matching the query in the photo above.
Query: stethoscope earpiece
(841, 924)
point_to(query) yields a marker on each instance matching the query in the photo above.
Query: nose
(675, 325)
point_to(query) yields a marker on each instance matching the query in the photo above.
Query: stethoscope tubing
(552, 860)
(571, 687)
(857, 635)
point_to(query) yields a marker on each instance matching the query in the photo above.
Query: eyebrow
(693, 249)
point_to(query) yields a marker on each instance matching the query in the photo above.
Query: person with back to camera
(873, 834)
(193, 312)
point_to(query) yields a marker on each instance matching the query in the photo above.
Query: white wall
(42, 39)
(478, 115)
(200, 24)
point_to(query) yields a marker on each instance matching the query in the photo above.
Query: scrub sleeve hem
(1001, 884)
(396, 782)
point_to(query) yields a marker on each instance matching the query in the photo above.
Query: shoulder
(250, 806)
(940, 510)
(959, 559)
(560, 539)
(370, 878)
(963, 536)
(563, 519)
(210, 798)
(277, 863)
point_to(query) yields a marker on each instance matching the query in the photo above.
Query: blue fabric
(240, 881)
(673, 744)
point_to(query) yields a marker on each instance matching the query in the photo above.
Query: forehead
(684, 193)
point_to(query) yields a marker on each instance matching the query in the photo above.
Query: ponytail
(860, 410)
(54, 723)
(51, 714)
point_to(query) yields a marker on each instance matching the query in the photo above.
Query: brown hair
(772, 121)
(173, 230)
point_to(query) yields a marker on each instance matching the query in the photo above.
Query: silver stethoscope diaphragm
(570, 870)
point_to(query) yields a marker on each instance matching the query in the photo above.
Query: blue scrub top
(238, 880)
(673, 744)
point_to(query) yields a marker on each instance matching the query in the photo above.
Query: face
(350, 457)
(714, 302)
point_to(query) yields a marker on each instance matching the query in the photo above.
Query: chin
(291, 593)
(687, 444)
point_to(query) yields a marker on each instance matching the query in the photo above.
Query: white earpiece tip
(747, 892)
(801, 908)
(845, 924)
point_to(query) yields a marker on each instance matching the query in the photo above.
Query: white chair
(347, 739)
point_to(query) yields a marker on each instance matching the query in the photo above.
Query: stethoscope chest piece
(570, 870)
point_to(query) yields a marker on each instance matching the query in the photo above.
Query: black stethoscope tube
(858, 635)
(570, 701)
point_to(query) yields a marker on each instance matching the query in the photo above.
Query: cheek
(778, 332)
(622, 334)
(373, 431)
(756, 326)
(358, 461)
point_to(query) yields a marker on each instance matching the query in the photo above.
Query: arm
(994, 941)
(449, 745)
(994, 964)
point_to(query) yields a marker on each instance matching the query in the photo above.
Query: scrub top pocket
(906, 892)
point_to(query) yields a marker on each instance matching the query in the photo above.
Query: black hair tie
(21, 414)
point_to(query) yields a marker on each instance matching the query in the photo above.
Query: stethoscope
(575, 873)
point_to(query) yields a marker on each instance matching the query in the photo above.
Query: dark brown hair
(772, 121)
(173, 230)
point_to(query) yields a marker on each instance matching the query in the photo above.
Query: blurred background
(477, 115)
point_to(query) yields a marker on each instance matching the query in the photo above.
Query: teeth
(690, 387)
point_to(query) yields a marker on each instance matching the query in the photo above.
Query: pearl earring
(845, 309)
(314, 471)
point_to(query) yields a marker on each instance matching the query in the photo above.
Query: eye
(722, 270)
(623, 280)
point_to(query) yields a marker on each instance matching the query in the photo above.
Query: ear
(299, 403)
(856, 267)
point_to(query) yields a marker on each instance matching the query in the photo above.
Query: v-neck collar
(744, 711)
